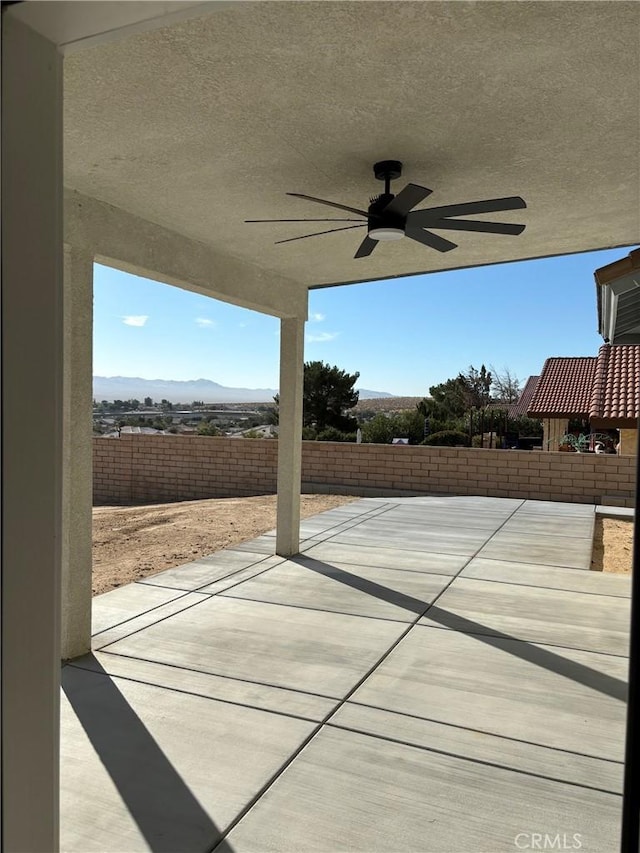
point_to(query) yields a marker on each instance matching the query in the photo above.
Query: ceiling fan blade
(318, 233)
(302, 220)
(477, 225)
(330, 203)
(491, 205)
(407, 198)
(429, 239)
(366, 247)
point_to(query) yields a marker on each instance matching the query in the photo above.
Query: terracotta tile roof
(604, 387)
(521, 406)
(564, 388)
(616, 383)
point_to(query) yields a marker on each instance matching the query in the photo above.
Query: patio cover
(183, 119)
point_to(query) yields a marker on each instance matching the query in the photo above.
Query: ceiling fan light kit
(386, 233)
(391, 217)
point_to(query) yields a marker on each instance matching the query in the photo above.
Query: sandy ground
(130, 543)
(612, 546)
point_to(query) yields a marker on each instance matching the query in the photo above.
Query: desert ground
(612, 546)
(133, 542)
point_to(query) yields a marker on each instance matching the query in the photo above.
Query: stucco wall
(139, 468)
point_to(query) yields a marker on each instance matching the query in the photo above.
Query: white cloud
(204, 323)
(135, 319)
(317, 317)
(321, 337)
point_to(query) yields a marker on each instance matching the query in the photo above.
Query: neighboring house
(618, 299)
(602, 390)
(521, 406)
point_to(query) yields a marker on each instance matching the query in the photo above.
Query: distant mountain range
(177, 391)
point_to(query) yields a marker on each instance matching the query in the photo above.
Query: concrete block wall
(163, 468)
(141, 468)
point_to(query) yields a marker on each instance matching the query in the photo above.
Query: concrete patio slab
(191, 576)
(323, 653)
(127, 602)
(150, 617)
(450, 540)
(537, 523)
(264, 545)
(398, 558)
(406, 519)
(247, 703)
(536, 614)
(553, 577)
(569, 551)
(146, 768)
(309, 582)
(242, 575)
(352, 792)
(557, 508)
(621, 512)
(473, 503)
(295, 703)
(537, 760)
(556, 697)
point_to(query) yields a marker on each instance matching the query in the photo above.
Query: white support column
(78, 453)
(290, 436)
(32, 341)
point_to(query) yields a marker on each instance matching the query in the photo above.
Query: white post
(32, 341)
(290, 436)
(78, 453)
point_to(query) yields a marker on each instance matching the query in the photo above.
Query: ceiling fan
(391, 217)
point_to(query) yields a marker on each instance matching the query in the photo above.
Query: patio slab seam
(202, 695)
(314, 609)
(473, 730)
(543, 586)
(473, 760)
(149, 581)
(204, 596)
(502, 636)
(222, 675)
(181, 594)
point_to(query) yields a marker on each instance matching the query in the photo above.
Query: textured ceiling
(208, 122)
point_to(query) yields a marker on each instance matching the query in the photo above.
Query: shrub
(333, 434)
(447, 438)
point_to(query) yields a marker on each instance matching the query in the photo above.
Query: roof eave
(618, 300)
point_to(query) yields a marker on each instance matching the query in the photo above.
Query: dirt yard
(612, 546)
(130, 543)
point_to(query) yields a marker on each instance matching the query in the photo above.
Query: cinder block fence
(159, 468)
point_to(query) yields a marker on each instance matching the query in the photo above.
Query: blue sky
(402, 335)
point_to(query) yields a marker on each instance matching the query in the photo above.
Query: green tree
(208, 428)
(476, 387)
(148, 402)
(379, 430)
(383, 428)
(328, 395)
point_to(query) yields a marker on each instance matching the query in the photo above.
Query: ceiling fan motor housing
(381, 225)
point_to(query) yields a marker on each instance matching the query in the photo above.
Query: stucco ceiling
(202, 124)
